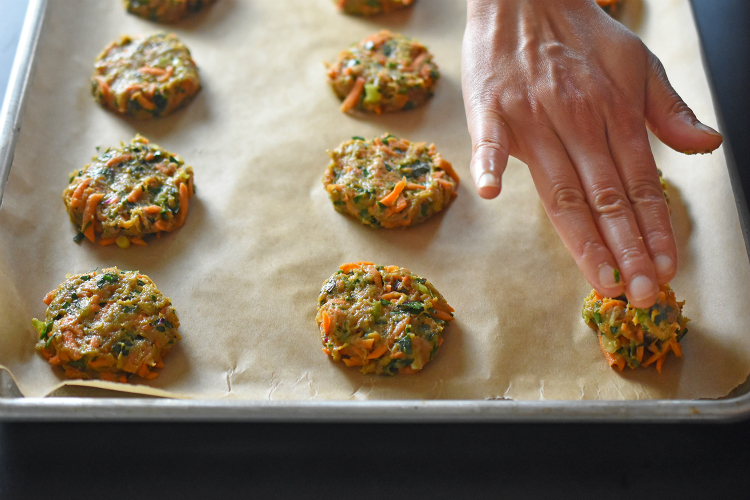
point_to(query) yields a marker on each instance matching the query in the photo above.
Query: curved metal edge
(14, 103)
(109, 409)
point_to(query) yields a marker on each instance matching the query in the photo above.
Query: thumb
(490, 145)
(670, 119)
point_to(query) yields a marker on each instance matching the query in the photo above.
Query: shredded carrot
(442, 306)
(392, 295)
(354, 95)
(397, 143)
(143, 370)
(366, 343)
(99, 362)
(425, 72)
(378, 351)
(352, 361)
(354, 265)
(77, 196)
(445, 165)
(168, 73)
(608, 305)
(151, 209)
(119, 159)
(326, 323)
(164, 168)
(49, 297)
(397, 207)
(150, 70)
(660, 363)
(143, 101)
(391, 197)
(377, 38)
(135, 194)
(400, 328)
(161, 225)
(94, 303)
(418, 61)
(440, 341)
(151, 375)
(88, 215)
(138, 241)
(411, 185)
(133, 87)
(180, 220)
(372, 271)
(398, 355)
(442, 315)
(407, 370)
(657, 356)
(639, 353)
(351, 350)
(106, 90)
(676, 348)
(327, 351)
(445, 183)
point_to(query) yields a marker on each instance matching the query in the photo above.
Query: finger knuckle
(644, 192)
(609, 201)
(590, 250)
(490, 144)
(566, 198)
(630, 256)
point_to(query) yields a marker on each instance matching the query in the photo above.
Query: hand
(569, 91)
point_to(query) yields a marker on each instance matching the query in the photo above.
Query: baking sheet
(261, 236)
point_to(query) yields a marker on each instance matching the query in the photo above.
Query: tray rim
(15, 407)
(16, 94)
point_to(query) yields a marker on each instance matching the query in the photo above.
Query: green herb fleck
(412, 306)
(405, 343)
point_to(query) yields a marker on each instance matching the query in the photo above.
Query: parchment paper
(261, 237)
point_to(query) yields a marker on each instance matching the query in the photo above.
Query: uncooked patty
(389, 182)
(384, 319)
(107, 324)
(144, 77)
(128, 192)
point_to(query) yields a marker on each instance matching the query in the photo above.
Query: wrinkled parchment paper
(261, 237)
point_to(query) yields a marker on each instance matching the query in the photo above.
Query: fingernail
(488, 180)
(664, 265)
(642, 288)
(607, 276)
(706, 129)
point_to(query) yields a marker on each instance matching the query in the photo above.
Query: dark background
(210, 460)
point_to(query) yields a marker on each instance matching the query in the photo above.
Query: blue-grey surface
(11, 20)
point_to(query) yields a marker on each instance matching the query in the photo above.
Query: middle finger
(611, 208)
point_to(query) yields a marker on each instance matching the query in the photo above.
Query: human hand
(569, 91)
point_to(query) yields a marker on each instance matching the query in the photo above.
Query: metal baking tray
(70, 405)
